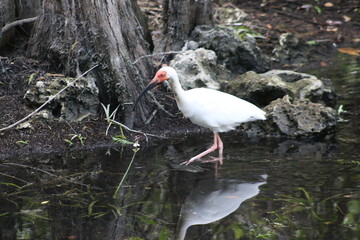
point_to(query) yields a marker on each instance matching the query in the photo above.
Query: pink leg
(220, 145)
(217, 144)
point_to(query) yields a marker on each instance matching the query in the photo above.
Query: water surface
(266, 188)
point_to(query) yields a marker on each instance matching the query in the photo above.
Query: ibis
(209, 108)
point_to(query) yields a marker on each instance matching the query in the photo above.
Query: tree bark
(27, 9)
(7, 15)
(180, 19)
(74, 35)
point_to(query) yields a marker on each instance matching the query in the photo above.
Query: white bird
(209, 108)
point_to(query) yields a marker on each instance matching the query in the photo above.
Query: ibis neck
(176, 88)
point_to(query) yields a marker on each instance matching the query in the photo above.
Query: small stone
(25, 125)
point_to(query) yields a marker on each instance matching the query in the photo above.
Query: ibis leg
(217, 144)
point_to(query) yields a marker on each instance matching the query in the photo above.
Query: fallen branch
(46, 172)
(49, 100)
(134, 131)
(160, 106)
(8, 26)
(155, 54)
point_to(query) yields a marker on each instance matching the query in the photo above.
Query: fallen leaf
(332, 22)
(350, 51)
(323, 64)
(328, 4)
(346, 18)
(331, 29)
(54, 75)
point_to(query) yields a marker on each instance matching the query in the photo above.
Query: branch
(135, 131)
(155, 54)
(8, 26)
(49, 100)
(46, 172)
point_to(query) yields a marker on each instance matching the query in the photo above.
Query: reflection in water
(212, 200)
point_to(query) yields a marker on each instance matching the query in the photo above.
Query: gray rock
(305, 86)
(238, 55)
(294, 102)
(291, 50)
(264, 88)
(76, 103)
(199, 68)
(299, 118)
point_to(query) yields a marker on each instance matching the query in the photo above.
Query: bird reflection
(214, 199)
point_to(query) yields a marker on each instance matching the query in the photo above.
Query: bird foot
(212, 159)
(189, 161)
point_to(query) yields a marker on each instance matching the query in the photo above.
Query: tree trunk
(75, 35)
(180, 19)
(7, 14)
(27, 9)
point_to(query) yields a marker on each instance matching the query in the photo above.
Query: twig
(16, 178)
(49, 100)
(135, 131)
(151, 116)
(155, 54)
(34, 168)
(43, 171)
(160, 106)
(8, 26)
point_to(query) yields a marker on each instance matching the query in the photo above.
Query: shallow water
(266, 188)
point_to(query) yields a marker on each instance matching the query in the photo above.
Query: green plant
(31, 78)
(80, 138)
(110, 117)
(135, 150)
(241, 31)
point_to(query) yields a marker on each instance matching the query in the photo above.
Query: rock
(199, 68)
(25, 125)
(299, 118)
(231, 15)
(297, 104)
(291, 50)
(305, 86)
(238, 55)
(264, 88)
(76, 103)
(255, 88)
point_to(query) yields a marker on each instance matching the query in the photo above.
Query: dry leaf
(350, 51)
(323, 64)
(54, 75)
(346, 18)
(328, 4)
(331, 29)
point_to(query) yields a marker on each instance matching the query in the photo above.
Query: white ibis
(218, 111)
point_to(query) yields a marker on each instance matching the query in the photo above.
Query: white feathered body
(217, 110)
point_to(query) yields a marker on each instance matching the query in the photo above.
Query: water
(266, 188)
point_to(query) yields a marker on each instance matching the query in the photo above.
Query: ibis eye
(162, 75)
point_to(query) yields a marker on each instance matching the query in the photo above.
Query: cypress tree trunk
(74, 35)
(180, 19)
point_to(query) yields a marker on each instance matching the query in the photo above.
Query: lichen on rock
(77, 102)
